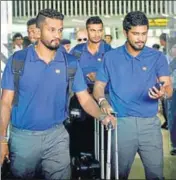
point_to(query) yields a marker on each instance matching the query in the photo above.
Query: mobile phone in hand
(114, 114)
(158, 85)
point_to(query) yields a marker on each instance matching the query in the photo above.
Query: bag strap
(18, 61)
(107, 47)
(77, 52)
(71, 67)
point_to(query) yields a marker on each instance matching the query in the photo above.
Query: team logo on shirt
(99, 59)
(57, 71)
(144, 68)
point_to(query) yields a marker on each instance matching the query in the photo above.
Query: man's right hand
(105, 107)
(106, 119)
(91, 76)
(4, 151)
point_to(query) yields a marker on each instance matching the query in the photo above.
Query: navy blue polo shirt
(88, 62)
(130, 79)
(42, 91)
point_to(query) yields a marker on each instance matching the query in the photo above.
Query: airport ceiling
(109, 21)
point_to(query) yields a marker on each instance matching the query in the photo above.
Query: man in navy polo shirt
(91, 53)
(38, 137)
(90, 56)
(132, 71)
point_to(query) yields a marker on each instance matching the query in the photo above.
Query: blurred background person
(164, 38)
(156, 46)
(108, 39)
(32, 30)
(17, 42)
(164, 42)
(26, 42)
(66, 43)
(81, 36)
(172, 110)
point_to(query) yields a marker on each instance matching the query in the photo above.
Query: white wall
(6, 29)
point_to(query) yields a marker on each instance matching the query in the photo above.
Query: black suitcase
(5, 169)
(88, 166)
(85, 166)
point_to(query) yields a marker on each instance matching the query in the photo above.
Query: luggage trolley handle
(109, 141)
(96, 139)
(102, 152)
(108, 162)
(109, 126)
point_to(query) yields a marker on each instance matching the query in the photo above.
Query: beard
(50, 46)
(136, 48)
(92, 40)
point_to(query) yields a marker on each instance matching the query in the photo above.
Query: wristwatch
(100, 100)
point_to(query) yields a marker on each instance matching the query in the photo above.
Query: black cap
(65, 41)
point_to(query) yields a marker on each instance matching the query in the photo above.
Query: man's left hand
(154, 93)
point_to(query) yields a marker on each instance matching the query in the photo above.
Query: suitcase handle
(109, 126)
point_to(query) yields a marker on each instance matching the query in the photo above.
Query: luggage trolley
(99, 149)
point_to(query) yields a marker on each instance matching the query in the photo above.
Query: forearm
(91, 107)
(98, 91)
(169, 91)
(5, 113)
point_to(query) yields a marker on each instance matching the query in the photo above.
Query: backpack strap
(107, 47)
(71, 65)
(18, 61)
(77, 51)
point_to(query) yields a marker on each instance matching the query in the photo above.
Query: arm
(162, 72)
(91, 107)
(168, 89)
(88, 103)
(5, 112)
(99, 95)
(99, 88)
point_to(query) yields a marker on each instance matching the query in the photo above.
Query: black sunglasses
(83, 39)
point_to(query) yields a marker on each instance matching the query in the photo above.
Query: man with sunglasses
(81, 36)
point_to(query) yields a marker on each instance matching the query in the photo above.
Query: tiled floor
(137, 171)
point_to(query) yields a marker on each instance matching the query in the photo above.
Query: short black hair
(94, 20)
(164, 37)
(135, 18)
(48, 13)
(16, 35)
(156, 46)
(31, 21)
(108, 35)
